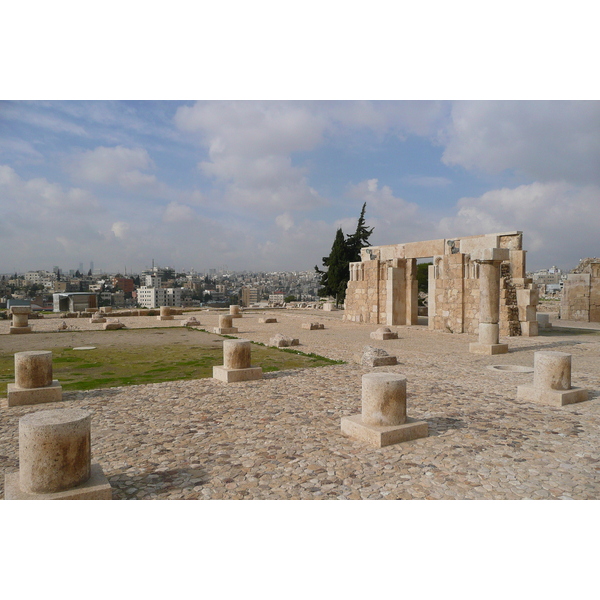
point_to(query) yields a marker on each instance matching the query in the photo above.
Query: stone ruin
(383, 286)
(55, 459)
(383, 420)
(581, 292)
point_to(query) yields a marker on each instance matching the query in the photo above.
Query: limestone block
(18, 396)
(552, 381)
(283, 341)
(489, 333)
(54, 450)
(190, 322)
(527, 313)
(97, 487)
(329, 306)
(490, 254)
(228, 375)
(33, 369)
(383, 399)
(375, 357)
(378, 436)
(528, 298)
(267, 320)
(488, 349)
(113, 325)
(552, 370)
(312, 326)
(543, 320)
(384, 333)
(234, 311)
(383, 419)
(529, 328)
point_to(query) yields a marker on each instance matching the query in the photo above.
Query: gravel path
(280, 437)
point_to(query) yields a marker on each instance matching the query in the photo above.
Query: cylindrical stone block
(225, 321)
(552, 370)
(234, 309)
(383, 399)
(54, 450)
(165, 311)
(33, 369)
(489, 333)
(20, 319)
(236, 354)
(489, 289)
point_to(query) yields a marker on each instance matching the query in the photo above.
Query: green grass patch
(120, 360)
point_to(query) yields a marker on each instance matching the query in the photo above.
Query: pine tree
(343, 252)
(334, 280)
(360, 238)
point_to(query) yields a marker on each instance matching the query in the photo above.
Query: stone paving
(279, 438)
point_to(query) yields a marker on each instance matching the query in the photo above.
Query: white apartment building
(151, 297)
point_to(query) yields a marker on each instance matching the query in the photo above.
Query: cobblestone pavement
(279, 438)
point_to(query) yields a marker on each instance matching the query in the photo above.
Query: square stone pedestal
(383, 436)
(96, 487)
(383, 335)
(27, 329)
(228, 375)
(18, 396)
(489, 349)
(552, 397)
(225, 330)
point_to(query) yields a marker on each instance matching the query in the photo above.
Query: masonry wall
(581, 295)
(383, 287)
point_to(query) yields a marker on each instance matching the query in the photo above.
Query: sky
(263, 185)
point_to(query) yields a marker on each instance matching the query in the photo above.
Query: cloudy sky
(263, 185)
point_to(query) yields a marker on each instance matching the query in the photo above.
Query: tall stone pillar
(489, 260)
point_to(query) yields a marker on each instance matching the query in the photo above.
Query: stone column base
(96, 487)
(225, 330)
(552, 397)
(169, 318)
(18, 396)
(383, 436)
(478, 348)
(27, 329)
(227, 375)
(529, 328)
(376, 335)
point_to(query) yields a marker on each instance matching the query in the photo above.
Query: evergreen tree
(334, 280)
(360, 238)
(343, 252)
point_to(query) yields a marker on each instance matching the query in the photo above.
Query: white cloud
(559, 221)
(118, 165)
(284, 221)
(547, 141)
(250, 146)
(120, 229)
(175, 213)
(427, 181)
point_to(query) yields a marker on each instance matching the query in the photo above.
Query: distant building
(74, 302)
(151, 297)
(249, 296)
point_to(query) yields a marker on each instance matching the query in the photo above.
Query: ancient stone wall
(383, 287)
(581, 292)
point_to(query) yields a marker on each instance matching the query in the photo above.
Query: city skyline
(262, 186)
